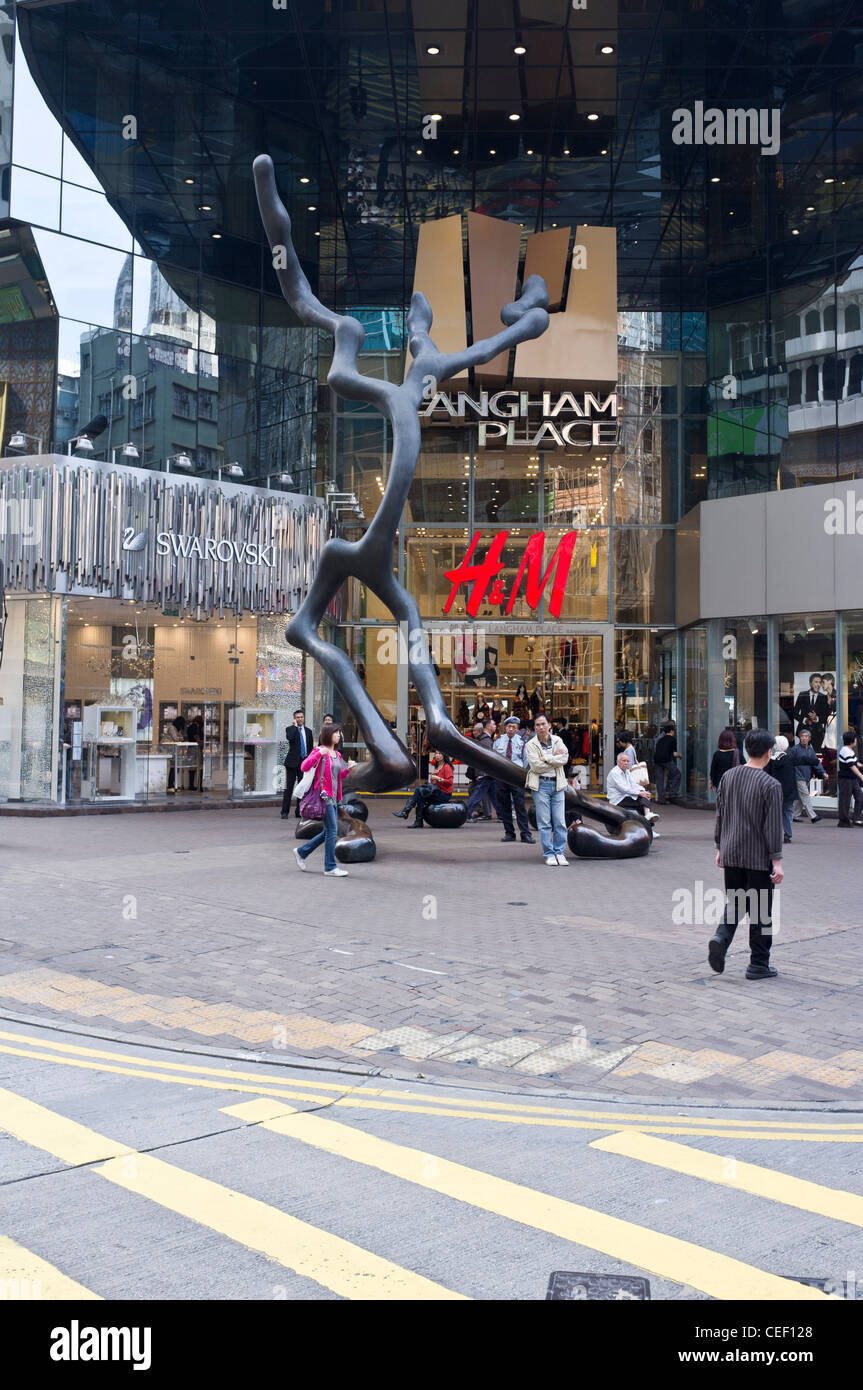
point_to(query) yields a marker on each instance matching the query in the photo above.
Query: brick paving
(453, 955)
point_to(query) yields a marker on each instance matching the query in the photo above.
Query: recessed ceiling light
(419, 152)
(794, 231)
(528, 151)
(566, 151)
(492, 151)
(715, 178)
(205, 207)
(304, 179)
(593, 116)
(829, 180)
(603, 151)
(217, 236)
(520, 50)
(607, 48)
(811, 208)
(456, 151)
(554, 224)
(312, 207)
(436, 117)
(317, 233)
(432, 50)
(514, 116)
(188, 180)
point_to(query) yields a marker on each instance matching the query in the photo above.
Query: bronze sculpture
(370, 558)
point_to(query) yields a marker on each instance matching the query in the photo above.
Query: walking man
(748, 837)
(806, 766)
(299, 747)
(665, 759)
(483, 787)
(511, 746)
(547, 756)
(849, 782)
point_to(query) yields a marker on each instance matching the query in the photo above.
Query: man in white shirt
(623, 790)
(547, 756)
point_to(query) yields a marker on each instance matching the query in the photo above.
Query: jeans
(482, 787)
(548, 803)
(788, 816)
(749, 891)
(667, 781)
(326, 837)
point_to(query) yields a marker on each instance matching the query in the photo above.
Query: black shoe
(716, 949)
(503, 838)
(816, 819)
(286, 815)
(761, 972)
(417, 825)
(843, 825)
(786, 839)
(528, 840)
(402, 815)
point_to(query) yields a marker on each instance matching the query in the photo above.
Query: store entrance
(526, 671)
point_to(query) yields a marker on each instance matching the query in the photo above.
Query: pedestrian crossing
(347, 1269)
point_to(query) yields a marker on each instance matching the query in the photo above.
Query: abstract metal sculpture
(370, 558)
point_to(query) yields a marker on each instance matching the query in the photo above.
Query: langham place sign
(522, 421)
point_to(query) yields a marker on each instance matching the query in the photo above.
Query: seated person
(627, 793)
(438, 788)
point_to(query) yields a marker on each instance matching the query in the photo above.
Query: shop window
(807, 697)
(813, 322)
(852, 318)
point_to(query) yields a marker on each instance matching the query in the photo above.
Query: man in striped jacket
(749, 849)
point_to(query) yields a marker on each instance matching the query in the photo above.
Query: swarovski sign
(207, 548)
(582, 421)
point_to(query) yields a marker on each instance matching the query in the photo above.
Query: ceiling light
(566, 151)
(436, 117)
(593, 116)
(419, 152)
(603, 151)
(312, 207)
(514, 116)
(217, 236)
(715, 178)
(520, 50)
(188, 180)
(456, 151)
(810, 208)
(317, 233)
(829, 180)
(753, 627)
(205, 207)
(528, 151)
(794, 231)
(492, 151)
(432, 50)
(607, 48)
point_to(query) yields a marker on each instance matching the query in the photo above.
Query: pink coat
(325, 781)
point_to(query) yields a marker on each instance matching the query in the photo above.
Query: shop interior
(158, 706)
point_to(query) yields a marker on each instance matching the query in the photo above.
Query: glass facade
(137, 286)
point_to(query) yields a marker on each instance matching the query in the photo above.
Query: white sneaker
(552, 860)
(301, 863)
(562, 859)
(336, 873)
(651, 816)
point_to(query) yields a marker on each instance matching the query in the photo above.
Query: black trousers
(425, 795)
(292, 776)
(749, 891)
(633, 803)
(850, 799)
(511, 799)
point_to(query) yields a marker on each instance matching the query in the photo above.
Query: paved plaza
(453, 956)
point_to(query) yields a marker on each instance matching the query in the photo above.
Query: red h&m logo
(483, 575)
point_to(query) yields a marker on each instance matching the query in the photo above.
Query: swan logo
(183, 547)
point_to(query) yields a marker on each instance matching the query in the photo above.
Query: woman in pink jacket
(331, 772)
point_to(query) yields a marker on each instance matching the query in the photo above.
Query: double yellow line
(363, 1097)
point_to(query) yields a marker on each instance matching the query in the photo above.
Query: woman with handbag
(321, 800)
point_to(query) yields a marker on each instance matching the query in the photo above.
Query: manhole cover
(615, 1288)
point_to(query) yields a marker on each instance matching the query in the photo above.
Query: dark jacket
(803, 759)
(721, 761)
(295, 754)
(785, 772)
(802, 708)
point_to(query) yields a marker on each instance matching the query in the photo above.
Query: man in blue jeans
(547, 756)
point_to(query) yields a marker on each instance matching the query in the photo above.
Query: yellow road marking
(24, 1276)
(512, 1107)
(665, 1256)
(731, 1172)
(336, 1264)
(360, 1098)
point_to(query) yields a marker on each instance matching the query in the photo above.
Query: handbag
(312, 804)
(640, 773)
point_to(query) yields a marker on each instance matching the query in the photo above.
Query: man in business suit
(811, 710)
(300, 743)
(748, 836)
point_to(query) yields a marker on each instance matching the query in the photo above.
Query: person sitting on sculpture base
(437, 789)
